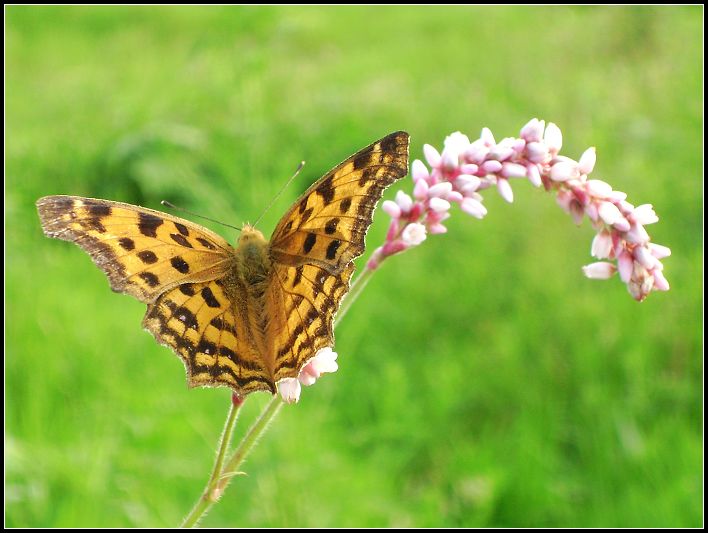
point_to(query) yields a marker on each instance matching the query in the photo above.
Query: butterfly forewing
(313, 247)
(328, 223)
(143, 252)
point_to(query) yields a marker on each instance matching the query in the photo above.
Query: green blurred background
(483, 380)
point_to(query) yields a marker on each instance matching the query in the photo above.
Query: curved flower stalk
(465, 169)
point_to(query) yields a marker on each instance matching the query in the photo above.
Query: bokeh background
(483, 380)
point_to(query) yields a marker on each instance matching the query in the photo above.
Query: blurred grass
(483, 381)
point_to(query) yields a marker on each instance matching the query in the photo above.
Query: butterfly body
(249, 316)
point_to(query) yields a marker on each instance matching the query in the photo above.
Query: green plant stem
(208, 497)
(220, 477)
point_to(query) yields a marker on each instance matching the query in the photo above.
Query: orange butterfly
(250, 316)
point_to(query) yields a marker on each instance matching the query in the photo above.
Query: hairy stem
(209, 496)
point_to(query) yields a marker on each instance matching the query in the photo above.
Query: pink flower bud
(440, 190)
(449, 159)
(457, 142)
(609, 213)
(413, 234)
(491, 167)
(437, 228)
(289, 389)
(564, 198)
(513, 170)
(439, 205)
(659, 251)
(625, 265)
(602, 245)
(644, 257)
(391, 209)
(591, 211)
(518, 145)
(455, 196)
(324, 361)
(431, 155)
(420, 191)
(644, 214)
(563, 171)
(534, 175)
(618, 197)
(500, 153)
(394, 247)
(637, 234)
(477, 152)
(599, 270)
(536, 152)
(504, 189)
(533, 130)
(419, 171)
(576, 212)
(598, 188)
(473, 207)
(487, 137)
(404, 201)
(553, 138)
(660, 282)
(467, 183)
(469, 168)
(621, 224)
(587, 161)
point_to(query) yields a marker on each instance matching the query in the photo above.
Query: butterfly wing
(143, 252)
(313, 247)
(174, 266)
(198, 321)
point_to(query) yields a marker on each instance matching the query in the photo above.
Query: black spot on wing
(179, 264)
(309, 242)
(362, 160)
(209, 298)
(326, 190)
(344, 205)
(185, 315)
(182, 229)
(331, 226)
(127, 244)
(151, 279)
(206, 243)
(332, 249)
(99, 210)
(148, 224)
(181, 240)
(187, 289)
(147, 256)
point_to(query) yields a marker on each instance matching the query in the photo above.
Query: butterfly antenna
(299, 168)
(173, 206)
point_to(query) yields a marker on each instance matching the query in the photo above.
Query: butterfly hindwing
(143, 252)
(199, 322)
(314, 245)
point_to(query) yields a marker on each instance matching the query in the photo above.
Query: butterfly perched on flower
(244, 317)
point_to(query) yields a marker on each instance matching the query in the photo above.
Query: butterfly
(244, 317)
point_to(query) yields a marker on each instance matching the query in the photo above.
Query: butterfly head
(249, 235)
